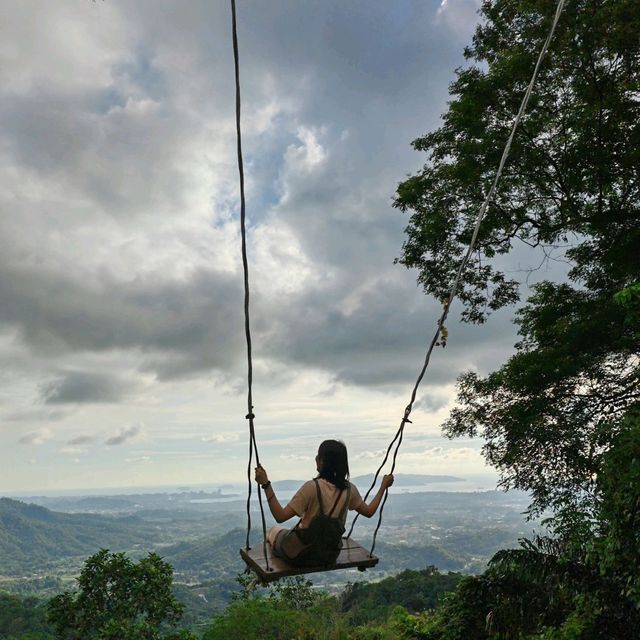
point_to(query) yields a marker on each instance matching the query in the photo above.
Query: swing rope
(440, 330)
(253, 445)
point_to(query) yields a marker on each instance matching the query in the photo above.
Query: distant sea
(235, 491)
(467, 484)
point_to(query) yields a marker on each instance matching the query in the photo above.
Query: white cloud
(459, 16)
(295, 456)
(36, 437)
(139, 459)
(72, 451)
(441, 453)
(70, 46)
(221, 438)
(370, 455)
(309, 154)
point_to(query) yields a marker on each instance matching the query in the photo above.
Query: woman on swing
(316, 540)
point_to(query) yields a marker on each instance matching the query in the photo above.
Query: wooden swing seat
(352, 555)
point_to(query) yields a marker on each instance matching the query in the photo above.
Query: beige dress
(287, 543)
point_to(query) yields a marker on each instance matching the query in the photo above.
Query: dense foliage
(415, 591)
(560, 417)
(572, 186)
(580, 586)
(23, 619)
(118, 599)
(397, 607)
(290, 610)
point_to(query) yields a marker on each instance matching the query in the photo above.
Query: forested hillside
(218, 557)
(32, 537)
(453, 531)
(210, 556)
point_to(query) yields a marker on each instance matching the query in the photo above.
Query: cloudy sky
(121, 338)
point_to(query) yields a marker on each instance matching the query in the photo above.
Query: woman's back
(305, 502)
(317, 540)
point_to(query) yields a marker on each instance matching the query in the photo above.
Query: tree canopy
(561, 417)
(118, 599)
(572, 178)
(571, 189)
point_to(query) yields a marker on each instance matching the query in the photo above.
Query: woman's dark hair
(335, 465)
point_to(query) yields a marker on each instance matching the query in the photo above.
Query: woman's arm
(279, 512)
(368, 510)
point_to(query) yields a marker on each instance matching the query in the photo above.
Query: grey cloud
(431, 401)
(124, 434)
(377, 70)
(102, 125)
(85, 387)
(81, 440)
(196, 321)
(145, 173)
(50, 131)
(35, 415)
(458, 14)
(384, 340)
(183, 330)
(384, 51)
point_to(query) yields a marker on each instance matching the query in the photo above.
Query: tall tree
(571, 189)
(118, 599)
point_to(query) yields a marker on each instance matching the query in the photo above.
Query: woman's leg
(273, 533)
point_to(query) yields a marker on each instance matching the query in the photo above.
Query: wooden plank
(352, 555)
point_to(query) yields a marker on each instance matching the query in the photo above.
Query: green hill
(207, 557)
(395, 557)
(32, 537)
(218, 558)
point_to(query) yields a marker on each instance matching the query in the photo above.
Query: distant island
(401, 480)
(409, 479)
